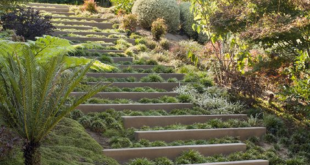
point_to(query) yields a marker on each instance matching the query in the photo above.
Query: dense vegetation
(249, 56)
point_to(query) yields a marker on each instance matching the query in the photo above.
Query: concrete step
(244, 162)
(197, 134)
(138, 66)
(104, 51)
(80, 18)
(122, 59)
(57, 33)
(136, 75)
(75, 27)
(152, 121)
(86, 108)
(48, 5)
(51, 9)
(166, 86)
(132, 41)
(135, 96)
(171, 152)
(92, 24)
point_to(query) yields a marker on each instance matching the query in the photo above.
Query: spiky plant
(34, 94)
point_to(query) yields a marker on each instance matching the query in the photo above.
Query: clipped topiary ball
(149, 10)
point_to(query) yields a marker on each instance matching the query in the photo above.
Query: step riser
(74, 27)
(80, 18)
(98, 25)
(152, 121)
(123, 155)
(86, 108)
(97, 39)
(246, 162)
(135, 96)
(57, 33)
(137, 76)
(166, 86)
(52, 9)
(173, 135)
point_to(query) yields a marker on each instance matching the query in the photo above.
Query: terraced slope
(126, 86)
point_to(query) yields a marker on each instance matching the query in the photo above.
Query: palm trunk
(32, 154)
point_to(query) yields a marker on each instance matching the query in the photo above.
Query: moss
(68, 144)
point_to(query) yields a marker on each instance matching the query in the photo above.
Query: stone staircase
(125, 154)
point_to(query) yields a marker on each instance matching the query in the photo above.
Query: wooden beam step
(51, 9)
(171, 152)
(153, 121)
(56, 33)
(197, 134)
(80, 18)
(86, 108)
(135, 75)
(135, 96)
(93, 24)
(244, 162)
(132, 41)
(138, 66)
(48, 5)
(166, 86)
(74, 27)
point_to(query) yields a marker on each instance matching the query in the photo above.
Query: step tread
(195, 134)
(152, 121)
(171, 152)
(135, 96)
(243, 162)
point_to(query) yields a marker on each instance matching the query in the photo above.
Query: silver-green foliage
(148, 11)
(187, 19)
(214, 99)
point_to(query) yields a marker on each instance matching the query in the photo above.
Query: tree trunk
(32, 154)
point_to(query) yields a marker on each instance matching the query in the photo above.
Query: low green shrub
(158, 29)
(163, 161)
(98, 126)
(165, 44)
(190, 157)
(76, 114)
(152, 78)
(141, 161)
(129, 22)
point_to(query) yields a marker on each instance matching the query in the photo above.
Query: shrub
(187, 19)
(165, 44)
(27, 23)
(184, 98)
(190, 157)
(150, 10)
(129, 22)
(152, 78)
(76, 114)
(273, 123)
(85, 121)
(140, 161)
(159, 28)
(163, 161)
(90, 6)
(98, 126)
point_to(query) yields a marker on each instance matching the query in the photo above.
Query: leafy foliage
(129, 22)
(158, 29)
(27, 23)
(124, 5)
(90, 6)
(7, 142)
(34, 91)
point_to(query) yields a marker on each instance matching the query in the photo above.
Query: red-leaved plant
(90, 6)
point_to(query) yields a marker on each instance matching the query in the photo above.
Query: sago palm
(34, 94)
